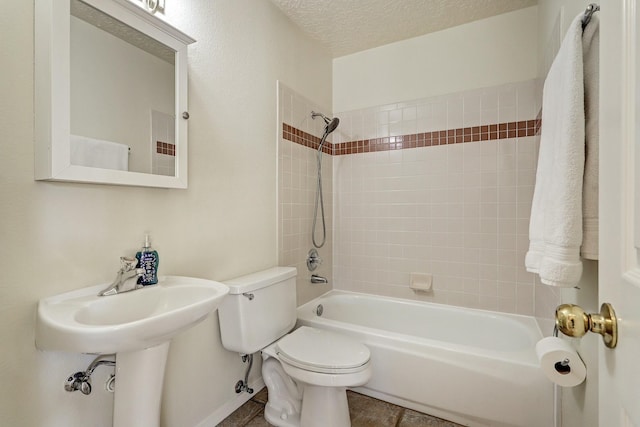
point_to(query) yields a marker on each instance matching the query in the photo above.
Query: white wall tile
(526, 103)
(459, 212)
(455, 113)
(507, 95)
(489, 115)
(395, 115)
(296, 191)
(507, 114)
(439, 117)
(489, 99)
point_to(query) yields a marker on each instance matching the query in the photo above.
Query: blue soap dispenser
(148, 260)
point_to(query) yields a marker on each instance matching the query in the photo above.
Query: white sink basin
(82, 322)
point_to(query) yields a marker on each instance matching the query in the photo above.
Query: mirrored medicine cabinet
(110, 95)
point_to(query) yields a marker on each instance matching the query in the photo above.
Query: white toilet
(306, 371)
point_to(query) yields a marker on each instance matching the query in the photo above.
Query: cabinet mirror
(111, 95)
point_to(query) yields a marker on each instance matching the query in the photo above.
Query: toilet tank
(259, 309)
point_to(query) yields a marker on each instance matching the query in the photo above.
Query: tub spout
(318, 279)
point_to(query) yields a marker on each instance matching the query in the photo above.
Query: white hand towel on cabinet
(98, 153)
(556, 225)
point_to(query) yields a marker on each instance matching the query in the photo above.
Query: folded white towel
(591, 49)
(555, 228)
(99, 153)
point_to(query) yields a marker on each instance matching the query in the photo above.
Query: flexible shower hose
(319, 199)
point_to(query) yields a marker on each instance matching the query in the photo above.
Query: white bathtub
(473, 367)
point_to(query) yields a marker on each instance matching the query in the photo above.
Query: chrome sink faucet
(127, 278)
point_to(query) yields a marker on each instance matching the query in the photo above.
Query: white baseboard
(227, 409)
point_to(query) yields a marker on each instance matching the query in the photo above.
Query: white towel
(99, 153)
(555, 229)
(591, 49)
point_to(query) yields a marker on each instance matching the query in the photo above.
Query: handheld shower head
(330, 124)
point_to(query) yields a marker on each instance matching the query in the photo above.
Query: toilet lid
(310, 348)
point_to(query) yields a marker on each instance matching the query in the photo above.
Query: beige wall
(484, 53)
(56, 237)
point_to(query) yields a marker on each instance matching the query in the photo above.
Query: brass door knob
(573, 321)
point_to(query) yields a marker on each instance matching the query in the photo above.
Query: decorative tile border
(303, 138)
(426, 139)
(165, 148)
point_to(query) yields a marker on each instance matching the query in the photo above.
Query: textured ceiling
(101, 20)
(348, 26)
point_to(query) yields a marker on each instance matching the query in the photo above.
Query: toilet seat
(322, 365)
(322, 351)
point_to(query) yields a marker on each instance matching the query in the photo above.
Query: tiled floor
(365, 411)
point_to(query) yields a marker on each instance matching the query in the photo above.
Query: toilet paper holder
(563, 367)
(573, 321)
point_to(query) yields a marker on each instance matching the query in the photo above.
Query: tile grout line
(400, 417)
(398, 422)
(255, 416)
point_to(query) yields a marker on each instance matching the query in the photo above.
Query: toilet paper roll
(560, 362)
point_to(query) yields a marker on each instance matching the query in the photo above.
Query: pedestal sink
(136, 326)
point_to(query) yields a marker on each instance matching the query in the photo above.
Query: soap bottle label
(148, 261)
